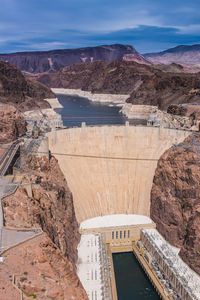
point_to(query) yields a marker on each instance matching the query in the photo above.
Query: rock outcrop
(51, 209)
(97, 77)
(175, 202)
(12, 123)
(51, 206)
(147, 85)
(21, 92)
(163, 89)
(50, 61)
(41, 271)
(177, 110)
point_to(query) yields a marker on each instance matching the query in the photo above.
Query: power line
(17, 184)
(104, 157)
(109, 157)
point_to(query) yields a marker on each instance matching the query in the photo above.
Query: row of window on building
(122, 234)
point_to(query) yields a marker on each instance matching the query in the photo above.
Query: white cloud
(190, 29)
(123, 19)
(46, 46)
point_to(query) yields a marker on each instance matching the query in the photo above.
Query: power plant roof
(115, 220)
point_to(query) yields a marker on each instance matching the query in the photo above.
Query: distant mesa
(51, 61)
(185, 55)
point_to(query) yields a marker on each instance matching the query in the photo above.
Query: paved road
(7, 157)
(6, 188)
(11, 237)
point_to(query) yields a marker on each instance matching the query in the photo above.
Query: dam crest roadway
(110, 169)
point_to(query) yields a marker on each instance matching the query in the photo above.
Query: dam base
(135, 234)
(100, 238)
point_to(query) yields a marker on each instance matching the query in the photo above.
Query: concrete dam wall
(110, 169)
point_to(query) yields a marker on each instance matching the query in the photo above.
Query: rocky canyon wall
(12, 123)
(146, 85)
(175, 202)
(23, 93)
(51, 209)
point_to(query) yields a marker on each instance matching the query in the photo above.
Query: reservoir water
(131, 280)
(77, 110)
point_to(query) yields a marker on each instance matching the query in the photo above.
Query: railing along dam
(110, 169)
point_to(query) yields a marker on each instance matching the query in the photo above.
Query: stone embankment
(138, 111)
(54, 103)
(116, 99)
(156, 117)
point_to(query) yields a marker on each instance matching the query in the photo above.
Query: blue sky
(148, 25)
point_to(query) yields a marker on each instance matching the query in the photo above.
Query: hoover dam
(110, 169)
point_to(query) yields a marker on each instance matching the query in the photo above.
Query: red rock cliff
(12, 123)
(51, 208)
(21, 92)
(175, 199)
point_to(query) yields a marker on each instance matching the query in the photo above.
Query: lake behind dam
(78, 109)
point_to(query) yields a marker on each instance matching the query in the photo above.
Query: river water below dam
(131, 280)
(78, 109)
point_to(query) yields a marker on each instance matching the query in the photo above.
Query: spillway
(110, 169)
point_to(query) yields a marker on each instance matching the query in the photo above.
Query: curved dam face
(110, 169)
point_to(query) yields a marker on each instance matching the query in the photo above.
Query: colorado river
(131, 281)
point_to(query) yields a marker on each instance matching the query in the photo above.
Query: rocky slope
(17, 90)
(48, 61)
(163, 89)
(146, 85)
(12, 123)
(175, 202)
(186, 55)
(51, 209)
(41, 272)
(186, 110)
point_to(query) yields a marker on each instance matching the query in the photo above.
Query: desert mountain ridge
(182, 54)
(53, 60)
(147, 85)
(21, 92)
